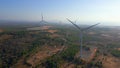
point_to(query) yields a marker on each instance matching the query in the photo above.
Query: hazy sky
(106, 11)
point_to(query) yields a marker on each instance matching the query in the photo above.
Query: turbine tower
(42, 17)
(81, 30)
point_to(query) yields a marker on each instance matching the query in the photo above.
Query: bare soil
(54, 35)
(93, 54)
(36, 58)
(52, 31)
(111, 62)
(45, 27)
(5, 37)
(41, 55)
(91, 33)
(1, 30)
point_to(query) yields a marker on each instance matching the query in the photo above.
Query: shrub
(115, 53)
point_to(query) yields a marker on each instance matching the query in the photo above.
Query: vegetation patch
(115, 53)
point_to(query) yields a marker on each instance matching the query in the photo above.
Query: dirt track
(93, 54)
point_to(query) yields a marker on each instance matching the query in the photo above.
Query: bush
(70, 52)
(115, 53)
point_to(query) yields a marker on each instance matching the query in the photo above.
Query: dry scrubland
(57, 46)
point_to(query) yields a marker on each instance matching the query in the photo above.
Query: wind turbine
(42, 20)
(81, 30)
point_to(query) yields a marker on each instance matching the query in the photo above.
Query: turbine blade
(90, 27)
(74, 24)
